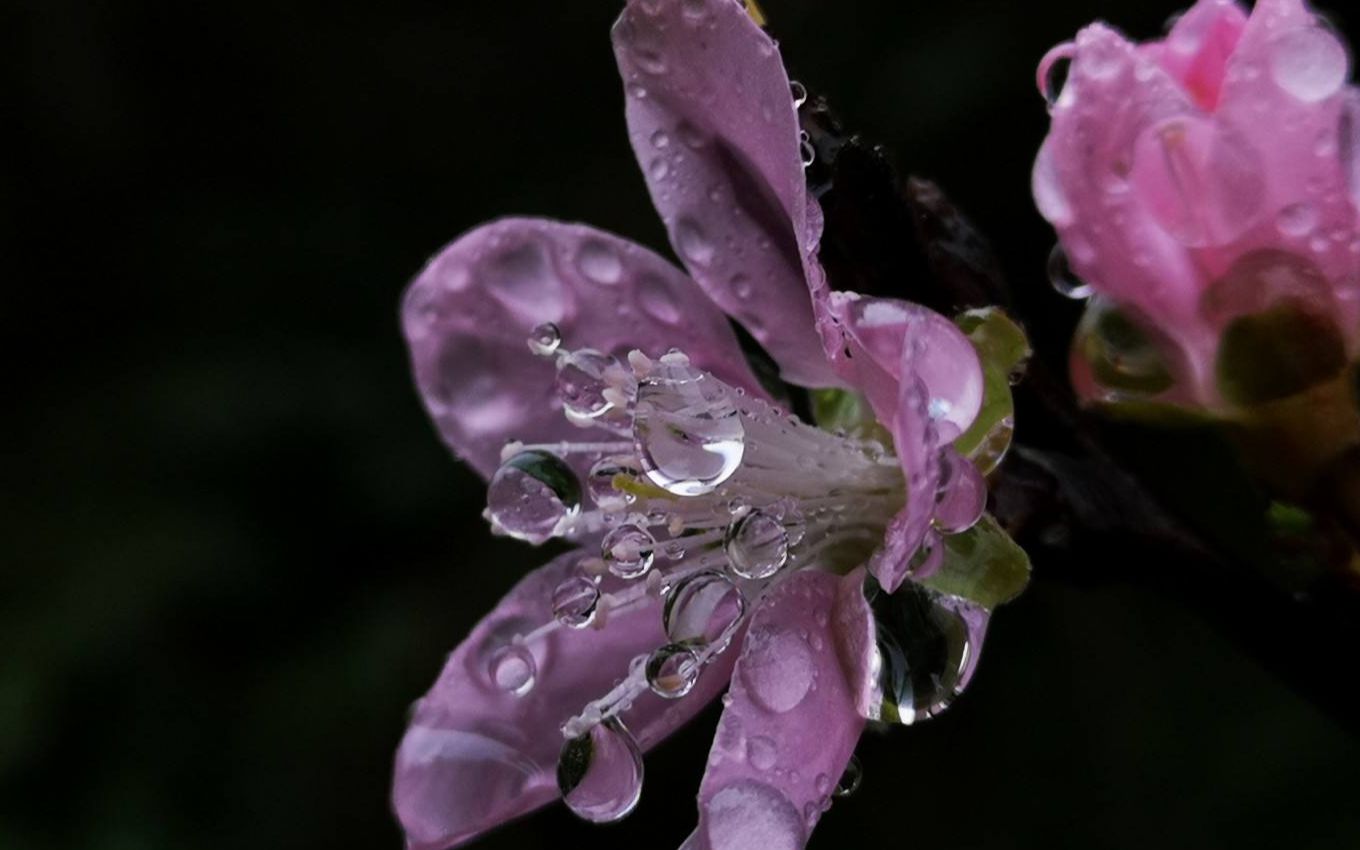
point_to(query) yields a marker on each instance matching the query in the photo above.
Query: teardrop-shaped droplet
(1064, 280)
(581, 385)
(545, 339)
(672, 670)
(533, 495)
(600, 773)
(757, 545)
(604, 476)
(629, 551)
(850, 779)
(962, 496)
(687, 429)
(928, 645)
(575, 602)
(702, 609)
(512, 669)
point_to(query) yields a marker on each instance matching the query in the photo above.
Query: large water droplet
(1049, 193)
(575, 602)
(1065, 281)
(777, 668)
(1298, 219)
(757, 545)
(687, 430)
(600, 262)
(600, 773)
(672, 670)
(629, 551)
(512, 669)
(928, 645)
(1309, 63)
(602, 477)
(702, 608)
(545, 339)
(657, 299)
(962, 494)
(522, 277)
(581, 385)
(749, 815)
(533, 495)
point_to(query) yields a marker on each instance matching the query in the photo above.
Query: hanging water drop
(600, 773)
(687, 429)
(757, 546)
(629, 551)
(581, 385)
(672, 670)
(545, 339)
(850, 779)
(1064, 280)
(575, 602)
(702, 609)
(962, 496)
(533, 496)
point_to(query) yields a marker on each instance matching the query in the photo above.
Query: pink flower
(1199, 183)
(707, 518)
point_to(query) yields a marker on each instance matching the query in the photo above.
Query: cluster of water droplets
(694, 491)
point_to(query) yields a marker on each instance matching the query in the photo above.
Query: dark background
(234, 550)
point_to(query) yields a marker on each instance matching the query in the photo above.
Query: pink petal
(856, 643)
(789, 729)
(476, 755)
(469, 313)
(1197, 48)
(715, 129)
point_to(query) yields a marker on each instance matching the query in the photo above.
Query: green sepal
(1278, 353)
(848, 411)
(983, 565)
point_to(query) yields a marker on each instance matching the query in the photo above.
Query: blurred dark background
(234, 549)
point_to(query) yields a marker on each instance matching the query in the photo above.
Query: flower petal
(789, 729)
(476, 755)
(715, 129)
(469, 313)
(1197, 48)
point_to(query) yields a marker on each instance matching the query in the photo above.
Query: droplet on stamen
(600, 773)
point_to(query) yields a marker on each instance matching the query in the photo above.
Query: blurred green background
(234, 549)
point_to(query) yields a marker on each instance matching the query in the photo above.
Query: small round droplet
(1309, 63)
(741, 286)
(545, 339)
(687, 430)
(757, 545)
(661, 140)
(512, 669)
(1053, 72)
(702, 609)
(692, 242)
(533, 495)
(581, 386)
(798, 92)
(600, 773)
(672, 670)
(604, 475)
(806, 151)
(850, 779)
(962, 495)
(1064, 281)
(1298, 219)
(629, 550)
(761, 752)
(777, 668)
(575, 602)
(599, 262)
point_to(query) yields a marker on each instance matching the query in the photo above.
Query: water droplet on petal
(798, 92)
(672, 670)
(657, 299)
(850, 779)
(629, 550)
(1309, 63)
(545, 339)
(600, 773)
(761, 752)
(692, 242)
(757, 545)
(702, 609)
(659, 169)
(962, 494)
(687, 429)
(533, 495)
(599, 262)
(777, 668)
(749, 815)
(1049, 193)
(512, 669)
(581, 386)
(575, 602)
(1064, 280)
(1298, 219)
(600, 481)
